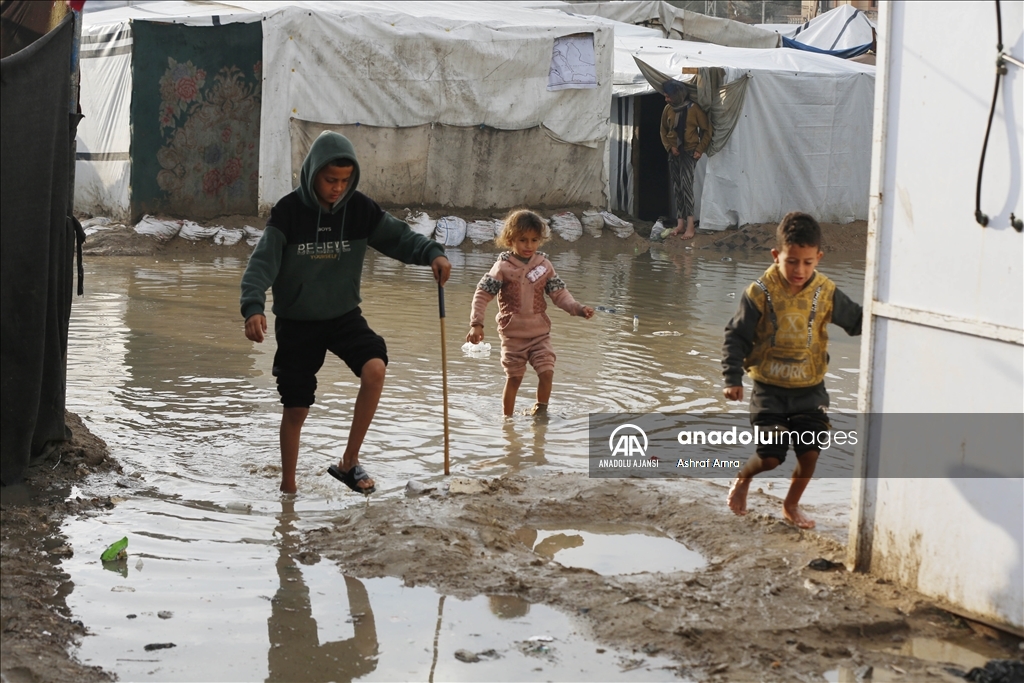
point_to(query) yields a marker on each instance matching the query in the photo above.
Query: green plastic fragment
(116, 551)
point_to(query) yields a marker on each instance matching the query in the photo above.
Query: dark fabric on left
(36, 247)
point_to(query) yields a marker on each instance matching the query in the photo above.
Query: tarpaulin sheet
(396, 65)
(102, 163)
(675, 21)
(839, 29)
(803, 141)
(464, 166)
(36, 247)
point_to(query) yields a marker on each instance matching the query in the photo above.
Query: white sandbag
(620, 227)
(162, 230)
(566, 226)
(483, 231)
(96, 224)
(191, 230)
(450, 231)
(593, 223)
(252, 235)
(228, 237)
(420, 222)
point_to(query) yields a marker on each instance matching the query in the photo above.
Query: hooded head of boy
(523, 232)
(797, 248)
(675, 93)
(330, 173)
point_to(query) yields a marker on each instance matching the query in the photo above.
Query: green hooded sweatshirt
(312, 257)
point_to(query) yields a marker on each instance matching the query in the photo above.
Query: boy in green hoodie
(311, 254)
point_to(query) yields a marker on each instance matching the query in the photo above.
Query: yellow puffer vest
(791, 340)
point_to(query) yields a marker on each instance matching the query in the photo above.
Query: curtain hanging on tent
(722, 103)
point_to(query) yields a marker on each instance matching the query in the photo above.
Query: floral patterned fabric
(206, 128)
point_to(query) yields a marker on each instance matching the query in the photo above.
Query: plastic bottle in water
(636, 323)
(481, 350)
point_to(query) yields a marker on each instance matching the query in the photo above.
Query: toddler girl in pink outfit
(520, 278)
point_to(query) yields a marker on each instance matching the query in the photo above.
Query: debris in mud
(165, 614)
(117, 550)
(822, 565)
(415, 488)
(158, 646)
(474, 657)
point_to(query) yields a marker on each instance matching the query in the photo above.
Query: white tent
(803, 141)
(842, 28)
(459, 103)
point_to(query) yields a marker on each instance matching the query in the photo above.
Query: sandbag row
(451, 231)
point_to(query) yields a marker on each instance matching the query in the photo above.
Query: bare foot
(738, 496)
(794, 515)
(688, 235)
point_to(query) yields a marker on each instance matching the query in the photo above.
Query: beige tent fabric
(680, 23)
(723, 103)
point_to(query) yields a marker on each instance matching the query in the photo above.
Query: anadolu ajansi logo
(628, 444)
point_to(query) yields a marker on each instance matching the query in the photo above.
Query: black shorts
(804, 411)
(302, 346)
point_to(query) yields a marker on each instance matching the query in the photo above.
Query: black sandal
(352, 478)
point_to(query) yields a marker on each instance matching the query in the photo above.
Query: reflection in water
(158, 367)
(611, 549)
(295, 649)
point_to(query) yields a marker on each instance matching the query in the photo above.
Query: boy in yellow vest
(779, 335)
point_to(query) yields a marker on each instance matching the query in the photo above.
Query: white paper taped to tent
(194, 232)
(420, 222)
(228, 237)
(620, 227)
(482, 231)
(566, 226)
(573, 63)
(593, 223)
(162, 230)
(450, 231)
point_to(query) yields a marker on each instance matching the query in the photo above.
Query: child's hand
(733, 393)
(588, 312)
(476, 334)
(442, 269)
(256, 327)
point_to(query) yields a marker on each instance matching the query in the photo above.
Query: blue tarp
(848, 53)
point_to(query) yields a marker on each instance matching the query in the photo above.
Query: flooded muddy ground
(519, 567)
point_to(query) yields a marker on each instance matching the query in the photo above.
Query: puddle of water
(610, 551)
(964, 656)
(159, 368)
(278, 619)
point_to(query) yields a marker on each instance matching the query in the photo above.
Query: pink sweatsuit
(523, 324)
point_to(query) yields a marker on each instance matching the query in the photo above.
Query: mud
(757, 611)
(38, 629)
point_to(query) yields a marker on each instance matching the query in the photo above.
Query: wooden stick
(444, 376)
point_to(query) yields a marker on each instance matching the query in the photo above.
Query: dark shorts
(804, 411)
(302, 346)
